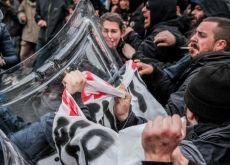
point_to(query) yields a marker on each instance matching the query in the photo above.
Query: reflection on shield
(31, 92)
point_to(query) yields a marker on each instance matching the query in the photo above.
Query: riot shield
(27, 93)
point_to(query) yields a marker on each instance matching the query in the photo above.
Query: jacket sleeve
(161, 55)
(176, 104)
(132, 120)
(84, 109)
(37, 15)
(21, 11)
(133, 39)
(7, 49)
(156, 163)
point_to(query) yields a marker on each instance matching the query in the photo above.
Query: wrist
(157, 157)
(122, 118)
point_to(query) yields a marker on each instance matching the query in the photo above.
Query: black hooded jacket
(215, 8)
(161, 11)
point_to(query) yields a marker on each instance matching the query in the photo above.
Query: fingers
(164, 39)
(74, 81)
(169, 126)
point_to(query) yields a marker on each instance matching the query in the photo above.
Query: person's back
(207, 101)
(26, 12)
(50, 17)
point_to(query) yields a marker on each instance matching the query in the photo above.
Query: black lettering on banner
(140, 98)
(106, 140)
(108, 114)
(63, 138)
(93, 109)
(72, 150)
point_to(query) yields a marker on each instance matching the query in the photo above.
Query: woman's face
(124, 4)
(112, 33)
(114, 2)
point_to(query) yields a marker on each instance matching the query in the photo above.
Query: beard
(197, 21)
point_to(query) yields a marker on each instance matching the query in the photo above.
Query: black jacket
(161, 55)
(148, 48)
(173, 89)
(207, 144)
(54, 13)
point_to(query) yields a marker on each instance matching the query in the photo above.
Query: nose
(110, 36)
(193, 38)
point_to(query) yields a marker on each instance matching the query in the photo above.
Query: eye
(114, 31)
(202, 35)
(105, 30)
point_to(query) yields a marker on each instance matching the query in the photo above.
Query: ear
(191, 117)
(220, 45)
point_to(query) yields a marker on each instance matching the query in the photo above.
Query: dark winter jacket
(6, 48)
(157, 7)
(207, 144)
(137, 21)
(173, 89)
(54, 13)
(161, 55)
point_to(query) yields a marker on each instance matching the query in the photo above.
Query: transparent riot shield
(28, 93)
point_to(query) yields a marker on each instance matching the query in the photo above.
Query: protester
(50, 17)
(9, 9)
(200, 10)
(8, 56)
(154, 23)
(113, 5)
(207, 139)
(123, 10)
(117, 36)
(207, 45)
(26, 13)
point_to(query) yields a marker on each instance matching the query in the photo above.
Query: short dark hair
(113, 17)
(222, 32)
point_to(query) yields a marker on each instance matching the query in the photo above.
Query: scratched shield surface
(31, 93)
(28, 93)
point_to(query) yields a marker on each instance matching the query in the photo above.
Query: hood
(134, 4)
(218, 8)
(162, 10)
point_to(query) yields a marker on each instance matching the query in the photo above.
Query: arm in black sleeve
(176, 104)
(133, 39)
(130, 121)
(84, 109)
